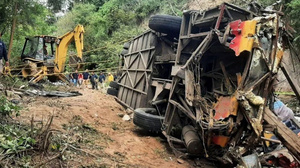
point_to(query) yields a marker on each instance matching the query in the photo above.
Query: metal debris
(215, 91)
(52, 93)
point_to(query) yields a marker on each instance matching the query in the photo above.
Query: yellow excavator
(46, 56)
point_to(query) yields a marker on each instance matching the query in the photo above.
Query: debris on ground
(129, 111)
(126, 117)
(121, 115)
(52, 93)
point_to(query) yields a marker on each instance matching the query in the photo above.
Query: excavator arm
(62, 47)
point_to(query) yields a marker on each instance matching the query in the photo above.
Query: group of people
(79, 79)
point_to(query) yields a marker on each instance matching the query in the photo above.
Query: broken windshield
(31, 47)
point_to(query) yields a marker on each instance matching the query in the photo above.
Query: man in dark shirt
(3, 55)
(45, 50)
(86, 76)
(75, 77)
(102, 79)
(93, 79)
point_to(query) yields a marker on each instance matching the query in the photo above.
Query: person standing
(115, 77)
(102, 79)
(93, 79)
(110, 77)
(75, 77)
(80, 79)
(45, 51)
(70, 76)
(3, 55)
(86, 77)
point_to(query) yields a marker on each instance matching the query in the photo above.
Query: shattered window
(31, 47)
(40, 53)
(258, 67)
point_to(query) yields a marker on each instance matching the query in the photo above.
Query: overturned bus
(206, 82)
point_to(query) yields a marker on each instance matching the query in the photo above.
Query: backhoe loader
(39, 63)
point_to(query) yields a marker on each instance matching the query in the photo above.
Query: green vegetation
(7, 108)
(294, 14)
(108, 23)
(31, 18)
(15, 138)
(108, 26)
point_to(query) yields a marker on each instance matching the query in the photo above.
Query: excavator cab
(39, 49)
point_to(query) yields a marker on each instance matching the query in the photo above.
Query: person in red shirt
(80, 79)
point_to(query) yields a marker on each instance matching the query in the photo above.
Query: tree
(23, 18)
(110, 23)
(293, 11)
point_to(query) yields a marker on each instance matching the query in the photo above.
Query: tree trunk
(13, 26)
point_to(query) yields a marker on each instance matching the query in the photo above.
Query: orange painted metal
(220, 140)
(243, 32)
(225, 107)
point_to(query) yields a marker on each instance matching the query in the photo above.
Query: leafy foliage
(32, 19)
(108, 23)
(14, 140)
(7, 108)
(111, 24)
(294, 14)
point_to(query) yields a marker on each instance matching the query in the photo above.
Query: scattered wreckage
(38, 90)
(210, 89)
(51, 93)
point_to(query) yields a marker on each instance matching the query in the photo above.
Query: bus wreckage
(207, 82)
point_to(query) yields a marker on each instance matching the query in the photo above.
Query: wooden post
(294, 85)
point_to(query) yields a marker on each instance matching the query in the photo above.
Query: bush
(7, 108)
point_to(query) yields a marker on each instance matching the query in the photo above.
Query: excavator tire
(144, 118)
(114, 84)
(126, 45)
(112, 91)
(167, 24)
(124, 52)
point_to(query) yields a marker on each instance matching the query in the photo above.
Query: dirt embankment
(114, 143)
(205, 4)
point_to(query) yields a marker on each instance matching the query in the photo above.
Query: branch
(54, 157)
(83, 151)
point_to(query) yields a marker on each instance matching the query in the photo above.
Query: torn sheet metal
(189, 89)
(250, 161)
(225, 106)
(278, 57)
(279, 158)
(220, 140)
(243, 32)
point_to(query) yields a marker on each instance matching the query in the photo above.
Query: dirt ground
(113, 143)
(92, 125)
